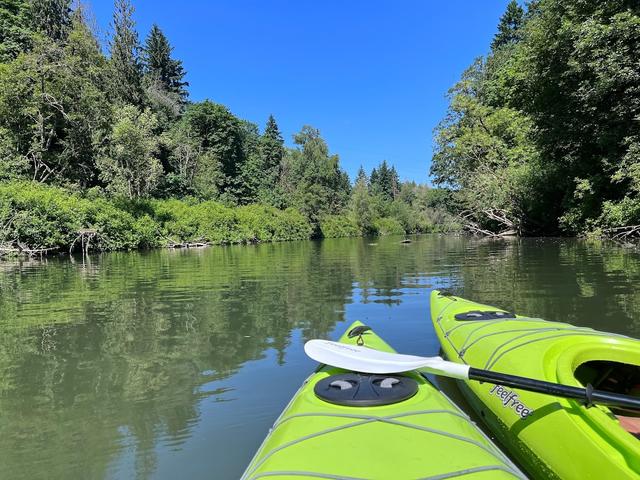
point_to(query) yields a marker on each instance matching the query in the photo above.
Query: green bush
(115, 228)
(411, 220)
(388, 226)
(335, 226)
(148, 232)
(178, 220)
(261, 223)
(217, 223)
(440, 220)
(38, 216)
(619, 214)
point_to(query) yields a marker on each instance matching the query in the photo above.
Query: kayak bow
(352, 426)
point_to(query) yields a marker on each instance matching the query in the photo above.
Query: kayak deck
(550, 436)
(423, 437)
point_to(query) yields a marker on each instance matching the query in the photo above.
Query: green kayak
(346, 426)
(550, 437)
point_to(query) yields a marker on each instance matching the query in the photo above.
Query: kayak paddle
(367, 360)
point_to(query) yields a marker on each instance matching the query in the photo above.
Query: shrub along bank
(34, 216)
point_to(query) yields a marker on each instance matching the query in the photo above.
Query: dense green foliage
(15, 28)
(336, 226)
(542, 136)
(119, 129)
(42, 216)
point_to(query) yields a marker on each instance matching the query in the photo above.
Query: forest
(542, 137)
(102, 149)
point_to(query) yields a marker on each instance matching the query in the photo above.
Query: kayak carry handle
(358, 332)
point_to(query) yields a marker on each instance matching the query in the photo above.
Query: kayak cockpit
(614, 377)
(610, 376)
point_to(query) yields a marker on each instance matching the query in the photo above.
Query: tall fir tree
(126, 68)
(160, 68)
(385, 181)
(381, 180)
(362, 178)
(509, 26)
(374, 178)
(272, 145)
(52, 18)
(394, 183)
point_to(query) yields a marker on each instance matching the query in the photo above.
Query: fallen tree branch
(32, 252)
(85, 236)
(621, 233)
(499, 216)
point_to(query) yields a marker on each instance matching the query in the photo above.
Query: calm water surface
(173, 364)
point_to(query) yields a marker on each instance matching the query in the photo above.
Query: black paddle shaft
(589, 395)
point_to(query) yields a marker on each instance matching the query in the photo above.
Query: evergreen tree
(272, 146)
(267, 164)
(383, 179)
(52, 18)
(252, 174)
(126, 69)
(394, 183)
(15, 28)
(160, 68)
(509, 26)
(374, 178)
(362, 177)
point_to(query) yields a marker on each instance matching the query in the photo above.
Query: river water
(174, 364)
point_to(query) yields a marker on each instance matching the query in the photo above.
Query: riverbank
(41, 219)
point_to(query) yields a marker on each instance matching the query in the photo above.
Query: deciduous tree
(130, 166)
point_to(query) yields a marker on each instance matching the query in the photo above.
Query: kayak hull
(550, 437)
(424, 436)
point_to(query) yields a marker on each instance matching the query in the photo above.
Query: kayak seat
(630, 424)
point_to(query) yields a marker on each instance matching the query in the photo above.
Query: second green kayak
(551, 437)
(344, 425)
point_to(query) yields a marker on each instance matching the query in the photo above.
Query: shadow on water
(175, 363)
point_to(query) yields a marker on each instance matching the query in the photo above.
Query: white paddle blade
(368, 360)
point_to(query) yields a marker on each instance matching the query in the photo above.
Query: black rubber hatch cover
(365, 390)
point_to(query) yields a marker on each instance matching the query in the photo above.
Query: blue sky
(370, 74)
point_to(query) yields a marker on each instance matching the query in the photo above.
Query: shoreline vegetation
(542, 136)
(41, 219)
(101, 149)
